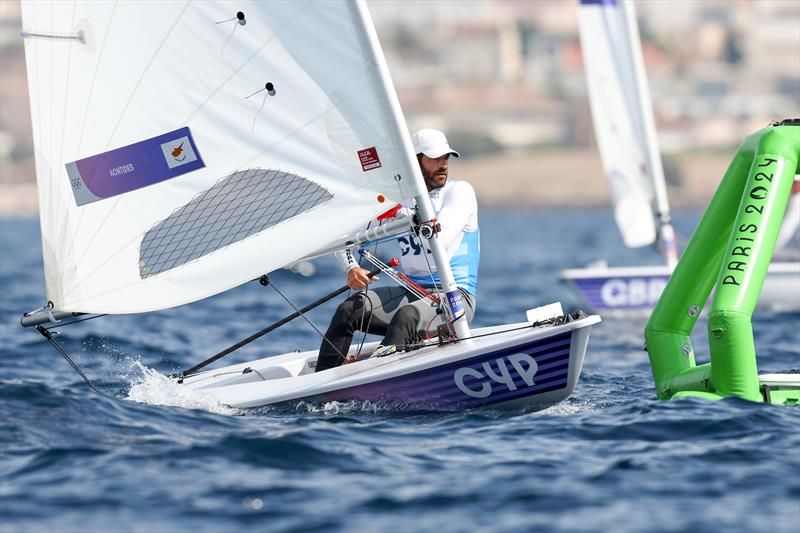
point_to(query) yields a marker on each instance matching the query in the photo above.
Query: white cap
(432, 143)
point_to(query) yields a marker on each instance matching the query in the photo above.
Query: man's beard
(436, 179)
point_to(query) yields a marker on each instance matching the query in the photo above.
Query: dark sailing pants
(392, 312)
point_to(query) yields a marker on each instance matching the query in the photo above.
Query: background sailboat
(622, 115)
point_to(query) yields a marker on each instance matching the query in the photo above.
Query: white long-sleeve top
(456, 209)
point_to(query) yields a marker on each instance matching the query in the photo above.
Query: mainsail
(790, 229)
(184, 148)
(622, 117)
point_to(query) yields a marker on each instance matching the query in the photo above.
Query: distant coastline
(18, 200)
(552, 178)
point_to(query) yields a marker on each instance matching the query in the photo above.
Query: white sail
(184, 148)
(622, 116)
(790, 228)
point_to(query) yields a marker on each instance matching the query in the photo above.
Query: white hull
(632, 289)
(510, 366)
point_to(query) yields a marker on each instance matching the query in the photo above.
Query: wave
(153, 388)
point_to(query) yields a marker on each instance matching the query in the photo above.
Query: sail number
(407, 244)
(634, 292)
(478, 383)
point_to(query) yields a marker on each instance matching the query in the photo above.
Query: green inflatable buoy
(729, 253)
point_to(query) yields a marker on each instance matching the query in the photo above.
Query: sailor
(393, 311)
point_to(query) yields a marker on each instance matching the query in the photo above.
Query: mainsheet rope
(303, 316)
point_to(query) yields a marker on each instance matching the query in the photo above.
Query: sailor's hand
(358, 278)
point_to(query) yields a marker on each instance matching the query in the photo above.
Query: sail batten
(144, 103)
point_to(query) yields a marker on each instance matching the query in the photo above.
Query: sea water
(146, 455)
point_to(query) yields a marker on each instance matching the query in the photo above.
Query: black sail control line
(186, 373)
(49, 336)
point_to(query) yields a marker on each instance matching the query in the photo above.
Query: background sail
(181, 151)
(617, 114)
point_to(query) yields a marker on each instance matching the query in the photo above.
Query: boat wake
(569, 409)
(149, 386)
(350, 407)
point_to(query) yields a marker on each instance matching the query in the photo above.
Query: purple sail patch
(134, 166)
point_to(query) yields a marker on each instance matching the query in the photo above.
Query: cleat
(383, 351)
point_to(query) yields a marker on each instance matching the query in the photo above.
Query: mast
(667, 244)
(398, 131)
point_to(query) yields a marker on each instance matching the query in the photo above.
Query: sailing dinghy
(185, 148)
(622, 115)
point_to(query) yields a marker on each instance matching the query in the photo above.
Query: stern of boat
(578, 344)
(532, 368)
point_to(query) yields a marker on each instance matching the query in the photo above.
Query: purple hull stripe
(485, 379)
(440, 402)
(453, 394)
(434, 381)
(622, 292)
(134, 166)
(544, 356)
(443, 388)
